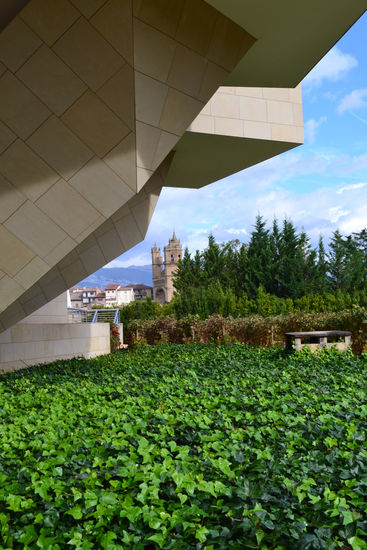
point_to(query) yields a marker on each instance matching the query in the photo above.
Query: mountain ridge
(121, 275)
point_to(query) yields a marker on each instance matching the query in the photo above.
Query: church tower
(163, 272)
(172, 253)
(159, 294)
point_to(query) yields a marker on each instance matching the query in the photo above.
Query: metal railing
(79, 315)
(106, 316)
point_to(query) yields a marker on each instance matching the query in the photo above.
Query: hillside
(121, 275)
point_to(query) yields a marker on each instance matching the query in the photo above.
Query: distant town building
(84, 296)
(142, 292)
(163, 271)
(89, 296)
(100, 299)
(131, 293)
(76, 300)
(111, 294)
(125, 295)
(119, 296)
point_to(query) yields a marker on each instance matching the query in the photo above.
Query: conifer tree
(292, 261)
(277, 271)
(213, 261)
(354, 265)
(259, 269)
(336, 262)
(320, 281)
(274, 248)
(184, 276)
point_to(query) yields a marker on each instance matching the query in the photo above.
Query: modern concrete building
(104, 102)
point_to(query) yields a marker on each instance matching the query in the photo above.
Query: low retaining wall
(29, 344)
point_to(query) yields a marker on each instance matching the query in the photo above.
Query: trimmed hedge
(255, 330)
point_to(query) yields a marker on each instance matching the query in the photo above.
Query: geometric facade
(103, 102)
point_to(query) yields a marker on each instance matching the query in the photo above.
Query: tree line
(277, 271)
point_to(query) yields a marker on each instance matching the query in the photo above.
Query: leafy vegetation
(277, 272)
(254, 330)
(176, 447)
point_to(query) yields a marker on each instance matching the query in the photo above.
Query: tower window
(172, 258)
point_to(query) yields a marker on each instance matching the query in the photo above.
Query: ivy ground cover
(178, 447)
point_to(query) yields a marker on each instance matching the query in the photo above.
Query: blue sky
(321, 185)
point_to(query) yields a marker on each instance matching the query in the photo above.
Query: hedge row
(254, 330)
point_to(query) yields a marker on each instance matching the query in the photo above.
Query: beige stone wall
(53, 312)
(237, 128)
(29, 344)
(94, 95)
(123, 230)
(257, 113)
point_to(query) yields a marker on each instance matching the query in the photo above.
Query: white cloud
(333, 66)
(356, 164)
(354, 223)
(310, 128)
(278, 187)
(353, 101)
(233, 231)
(311, 189)
(125, 260)
(351, 187)
(336, 212)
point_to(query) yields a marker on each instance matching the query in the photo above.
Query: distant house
(111, 294)
(120, 296)
(89, 296)
(100, 299)
(76, 299)
(125, 295)
(84, 297)
(76, 290)
(142, 292)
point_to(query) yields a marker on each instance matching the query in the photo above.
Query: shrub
(115, 341)
(255, 330)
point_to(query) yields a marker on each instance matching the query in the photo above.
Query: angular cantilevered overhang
(291, 36)
(239, 127)
(105, 102)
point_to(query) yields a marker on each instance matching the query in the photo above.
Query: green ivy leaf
(357, 543)
(76, 512)
(14, 502)
(347, 517)
(159, 538)
(201, 533)
(108, 499)
(107, 540)
(183, 498)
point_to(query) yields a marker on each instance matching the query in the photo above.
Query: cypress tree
(320, 282)
(292, 266)
(336, 261)
(274, 249)
(259, 270)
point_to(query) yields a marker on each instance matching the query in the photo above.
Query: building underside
(104, 102)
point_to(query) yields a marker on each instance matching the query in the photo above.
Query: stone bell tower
(163, 272)
(159, 292)
(172, 253)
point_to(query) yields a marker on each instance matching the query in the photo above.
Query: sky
(321, 185)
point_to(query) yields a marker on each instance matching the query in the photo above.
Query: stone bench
(319, 339)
